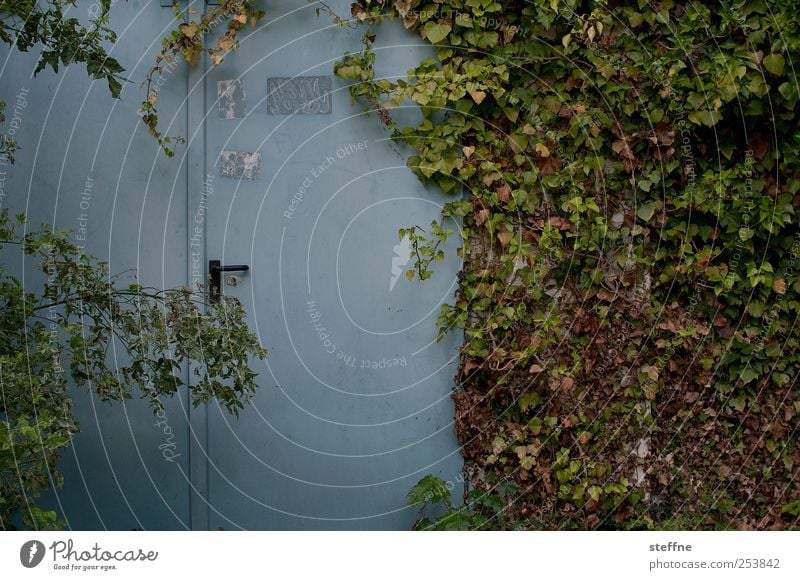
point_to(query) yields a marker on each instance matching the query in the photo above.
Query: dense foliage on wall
(631, 287)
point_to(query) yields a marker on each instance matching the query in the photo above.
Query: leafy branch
(425, 248)
(27, 24)
(161, 330)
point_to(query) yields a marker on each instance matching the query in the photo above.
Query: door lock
(215, 270)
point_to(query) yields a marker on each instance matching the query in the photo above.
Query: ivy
(630, 291)
(425, 250)
(186, 43)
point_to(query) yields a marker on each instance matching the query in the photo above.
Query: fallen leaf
(650, 391)
(508, 33)
(549, 165)
(758, 146)
(622, 149)
(665, 134)
(505, 237)
(604, 294)
(504, 191)
(410, 20)
(650, 371)
(470, 365)
(560, 223)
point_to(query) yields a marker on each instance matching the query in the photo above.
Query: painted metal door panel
(87, 163)
(354, 405)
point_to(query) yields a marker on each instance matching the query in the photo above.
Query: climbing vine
(186, 43)
(630, 294)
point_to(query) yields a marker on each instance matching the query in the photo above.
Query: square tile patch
(231, 99)
(239, 165)
(305, 95)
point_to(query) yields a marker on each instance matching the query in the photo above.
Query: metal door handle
(215, 270)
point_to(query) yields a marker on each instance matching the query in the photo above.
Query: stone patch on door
(239, 165)
(304, 95)
(231, 99)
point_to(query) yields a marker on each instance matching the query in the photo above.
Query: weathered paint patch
(231, 99)
(306, 95)
(239, 165)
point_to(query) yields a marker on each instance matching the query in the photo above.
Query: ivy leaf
(477, 96)
(788, 91)
(707, 118)
(189, 30)
(436, 33)
(756, 309)
(623, 149)
(647, 210)
(635, 19)
(748, 375)
(774, 63)
(505, 237)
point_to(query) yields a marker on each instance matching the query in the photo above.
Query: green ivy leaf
(436, 33)
(774, 63)
(646, 211)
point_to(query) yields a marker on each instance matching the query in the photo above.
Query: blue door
(86, 163)
(282, 173)
(307, 190)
